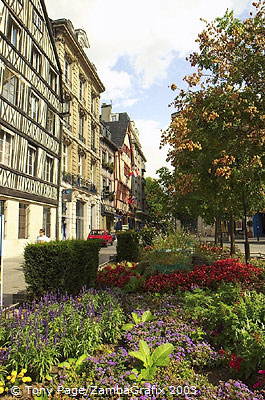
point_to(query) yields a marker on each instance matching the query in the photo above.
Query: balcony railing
(79, 182)
(81, 137)
(67, 125)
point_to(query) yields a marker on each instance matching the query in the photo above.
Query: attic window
(114, 117)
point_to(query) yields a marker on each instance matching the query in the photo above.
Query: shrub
(147, 235)
(128, 246)
(64, 266)
(235, 321)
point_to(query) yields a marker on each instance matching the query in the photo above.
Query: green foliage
(64, 266)
(158, 358)
(127, 246)
(237, 320)
(145, 317)
(55, 329)
(147, 235)
(177, 240)
(135, 284)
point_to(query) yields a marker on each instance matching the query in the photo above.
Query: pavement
(257, 248)
(13, 276)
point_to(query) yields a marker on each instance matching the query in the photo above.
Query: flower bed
(228, 270)
(113, 359)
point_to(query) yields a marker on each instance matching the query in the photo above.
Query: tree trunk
(247, 249)
(216, 228)
(232, 236)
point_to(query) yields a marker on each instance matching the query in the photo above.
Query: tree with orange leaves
(217, 133)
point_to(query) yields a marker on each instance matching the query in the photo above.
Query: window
(31, 160)
(5, 148)
(13, 33)
(80, 165)
(104, 157)
(50, 121)
(81, 126)
(94, 103)
(53, 80)
(48, 169)
(23, 221)
(93, 172)
(10, 86)
(93, 137)
(67, 111)
(65, 157)
(34, 107)
(47, 221)
(36, 19)
(82, 89)
(114, 117)
(67, 71)
(36, 59)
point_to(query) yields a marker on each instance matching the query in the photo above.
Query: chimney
(106, 112)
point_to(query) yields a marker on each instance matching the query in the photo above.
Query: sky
(139, 48)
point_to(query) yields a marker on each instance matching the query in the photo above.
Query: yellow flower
(14, 374)
(2, 383)
(2, 390)
(23, 371)
(13, 379)
(26, 379)
(8, 377)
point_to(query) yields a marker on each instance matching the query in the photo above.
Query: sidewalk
(14, 282)
(255, 246)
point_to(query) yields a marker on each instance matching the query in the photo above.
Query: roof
(69, 29)
(119, 128)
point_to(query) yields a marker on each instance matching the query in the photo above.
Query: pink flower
(261, 371)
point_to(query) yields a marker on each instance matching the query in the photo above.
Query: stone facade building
(29, 123)
(80, 184)
(108, 150)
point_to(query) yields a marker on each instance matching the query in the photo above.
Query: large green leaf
(146, 351)
(136, 319)
(127, 327)
(161, 353)
(81, 359)
(138, 354)
(147, 316)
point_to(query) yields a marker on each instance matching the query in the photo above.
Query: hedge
(64, 266)
(127, 246)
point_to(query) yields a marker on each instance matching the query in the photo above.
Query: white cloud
(150, 32)
(150, 136)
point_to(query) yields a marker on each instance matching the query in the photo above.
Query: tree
(217, 134)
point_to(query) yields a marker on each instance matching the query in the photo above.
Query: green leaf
(64, 364)
(139, 355)
(161, 353)
(81, 359)
(147, 316)
(127, 327)
(136, 319)
(143, 346)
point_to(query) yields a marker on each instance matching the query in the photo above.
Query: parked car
(105, 236)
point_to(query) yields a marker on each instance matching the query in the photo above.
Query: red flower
(235, 362)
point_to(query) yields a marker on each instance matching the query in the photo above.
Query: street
(14, 283)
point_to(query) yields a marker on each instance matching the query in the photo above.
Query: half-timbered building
(80, 190)
(29, 122)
